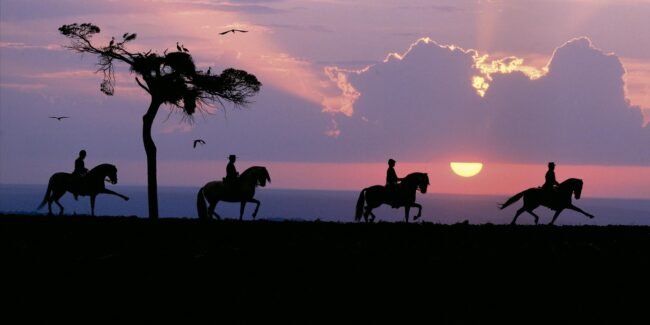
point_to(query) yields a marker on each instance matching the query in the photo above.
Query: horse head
(259, 174)
(105, 171)
(577, 191)
(263, 177)
(573, 185)
(423, 182)
(419, 180)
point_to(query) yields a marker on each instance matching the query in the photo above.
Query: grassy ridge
(83, 239)
(447, 273)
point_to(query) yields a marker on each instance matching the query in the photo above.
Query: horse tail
(359, 210)
(48, 193)
(512, 200)
(201, 208)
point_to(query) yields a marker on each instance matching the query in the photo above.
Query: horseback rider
(79, 166)
(231, 172)
(550, 182)
(80, 171)
(392, 182)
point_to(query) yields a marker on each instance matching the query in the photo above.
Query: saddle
(549, 195)
(231, 183)
(392, 197)
(78, 185)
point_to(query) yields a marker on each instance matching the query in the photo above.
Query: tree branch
(142, 86)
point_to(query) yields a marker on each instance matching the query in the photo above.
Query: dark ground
(136, 270)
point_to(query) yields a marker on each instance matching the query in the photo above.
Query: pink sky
(316, 117)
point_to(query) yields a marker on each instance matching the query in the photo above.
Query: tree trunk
(150, 150)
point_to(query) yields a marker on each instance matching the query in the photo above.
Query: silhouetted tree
(170, 78)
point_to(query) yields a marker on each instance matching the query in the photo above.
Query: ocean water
(278, 204)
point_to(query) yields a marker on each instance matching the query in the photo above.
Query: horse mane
(573, 185)
(257, 169)
(567, 182)
(570, 180)
(102, 166)
(414, 176)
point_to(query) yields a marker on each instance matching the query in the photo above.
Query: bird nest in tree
(180, 63)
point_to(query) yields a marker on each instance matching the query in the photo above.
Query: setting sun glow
(466, 169)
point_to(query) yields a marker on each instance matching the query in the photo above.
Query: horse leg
(419, 206)
(107, 191)
(56, 195)
(557, 213)
(534, 215)
(60, 207)
(368, 212)
(520, 211)
(575, 208)
(92, 204)
(211, 210)
(257, 206)
(373, 217)
(407, 209)
(242, 205)
(49, 206)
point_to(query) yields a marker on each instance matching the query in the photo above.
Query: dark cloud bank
(420, 108)
(424, 107)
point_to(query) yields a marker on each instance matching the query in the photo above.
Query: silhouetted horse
(91, 185)
(403, 196)
(560, 200)
(242, 191)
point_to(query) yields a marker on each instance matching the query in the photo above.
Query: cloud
(20, 45)
(444, 101)
(298, 27)
(576, 112)
(23, 86)
(434, 8)
(33, 10)
(248, 7)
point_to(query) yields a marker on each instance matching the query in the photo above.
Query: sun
(466, 169)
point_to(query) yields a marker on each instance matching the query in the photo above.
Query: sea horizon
(325, 205)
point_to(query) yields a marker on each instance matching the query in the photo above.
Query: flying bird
(233, 31)
(197, 141)
(59, 117)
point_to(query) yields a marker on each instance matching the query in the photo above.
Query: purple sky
(563, 80)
